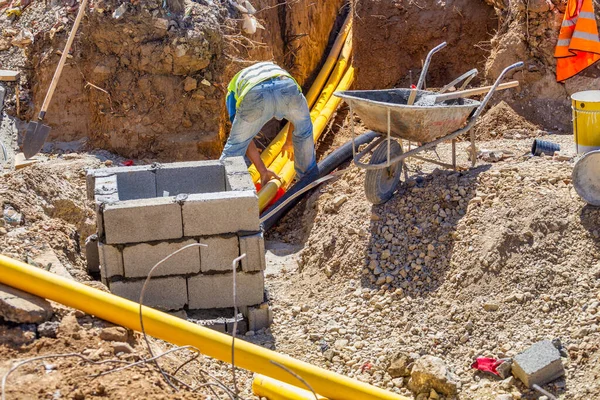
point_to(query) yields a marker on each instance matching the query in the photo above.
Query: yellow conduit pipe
(181, 332)
(272, 389)
(268, 192)
(332, 84)
(274, 148)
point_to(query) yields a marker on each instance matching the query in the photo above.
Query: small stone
(114, 334)
(108, 163)
(250, 333)
(504, 369)
(190, 84)
(430, 372)
(48, 329)
(433, 395)
(400, 366)
(491, 307)
(385, 254)
(296, 310)
(121, 347)
(22, 307)
(504, 396)
(464, 338)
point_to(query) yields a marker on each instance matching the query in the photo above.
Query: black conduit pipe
(326, 166)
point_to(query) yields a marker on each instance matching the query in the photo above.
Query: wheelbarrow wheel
(380, 184)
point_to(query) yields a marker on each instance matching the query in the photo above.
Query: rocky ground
(457, 265)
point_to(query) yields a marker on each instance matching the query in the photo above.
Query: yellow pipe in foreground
(331, 86)
(272, 389)
(274, 148)
(181, 332)
(268, 192)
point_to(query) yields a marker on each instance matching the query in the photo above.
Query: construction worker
(257, 94)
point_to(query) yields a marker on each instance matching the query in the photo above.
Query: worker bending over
(257, 94)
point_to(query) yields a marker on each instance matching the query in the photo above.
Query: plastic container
(586, 120)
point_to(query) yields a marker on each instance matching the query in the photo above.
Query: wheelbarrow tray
(417, 123)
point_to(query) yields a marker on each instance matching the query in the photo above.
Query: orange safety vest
(578, 46)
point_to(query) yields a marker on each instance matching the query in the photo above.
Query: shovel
(37, 132)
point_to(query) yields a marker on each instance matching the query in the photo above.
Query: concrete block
(138, 259)
(163, 293)
(90, 183)
(111, 261)
(92, 257)
(238, 177)
(106, 189)
(254, 248)
(142, 220)
(190, 177)
(137, 183)
(539, 364)
(216, 291)
(223, 212)
(259, 317)
(219, 254)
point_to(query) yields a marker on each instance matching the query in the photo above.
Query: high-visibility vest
(578, 45)
(251, 76)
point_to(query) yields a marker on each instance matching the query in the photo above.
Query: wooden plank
(8, 75)
(21, 162)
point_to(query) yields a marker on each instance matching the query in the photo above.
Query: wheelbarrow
(426, 124)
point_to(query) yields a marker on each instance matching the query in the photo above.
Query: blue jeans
(275, 98)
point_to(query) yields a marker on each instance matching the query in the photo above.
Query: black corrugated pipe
(326, 166)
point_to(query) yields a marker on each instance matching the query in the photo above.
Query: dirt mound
(424, 272)
(501, 121)
(52, 212)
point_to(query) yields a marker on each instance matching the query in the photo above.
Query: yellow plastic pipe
(263, 386)
(274, 148)
(181, 332)
(332, 84)
(268, 192)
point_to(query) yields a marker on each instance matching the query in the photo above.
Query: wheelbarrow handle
(426, 65)
(487, 98)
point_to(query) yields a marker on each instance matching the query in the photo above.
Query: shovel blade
(35, 137)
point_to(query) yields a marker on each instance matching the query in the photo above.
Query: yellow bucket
(586, 120)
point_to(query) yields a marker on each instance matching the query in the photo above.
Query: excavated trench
(151, 84)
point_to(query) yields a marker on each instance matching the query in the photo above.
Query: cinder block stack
(147, 212)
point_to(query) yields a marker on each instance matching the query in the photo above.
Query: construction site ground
(482, 262)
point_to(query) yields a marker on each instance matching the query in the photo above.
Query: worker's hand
(266, 175)
(288, 150)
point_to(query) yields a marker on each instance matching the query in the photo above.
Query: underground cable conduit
(181, 332)
(272, 389)
(274, 148)
(268, 191)
(332, 83)
(326, 166)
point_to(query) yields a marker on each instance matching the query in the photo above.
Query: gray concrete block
(216, 291)
(238, 177)
(259, 317)
(137, 183)
(163, 293)
(219, 254)
(190, 177)
(254, 248)
(92, 256)
(139, 259)
(539, 364)
(224, 212)
(111, 261)
(90, 183)
(142, 220)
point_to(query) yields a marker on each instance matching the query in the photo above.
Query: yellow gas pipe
(181, 332)
(274, 148)
(264, 386)
(268, 192)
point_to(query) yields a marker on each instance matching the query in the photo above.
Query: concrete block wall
(145, 213)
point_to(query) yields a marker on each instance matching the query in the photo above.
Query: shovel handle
(474, 92)
(63, 59)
